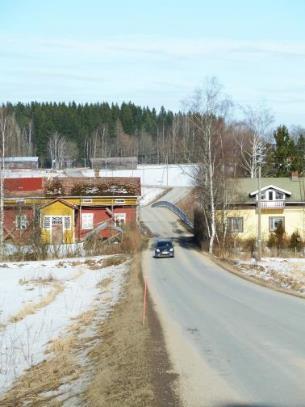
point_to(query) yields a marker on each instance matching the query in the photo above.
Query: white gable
(271, 187)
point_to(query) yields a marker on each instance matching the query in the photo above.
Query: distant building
(21, 162)
(114, 163)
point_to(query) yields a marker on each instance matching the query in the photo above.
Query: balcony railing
(278, 204)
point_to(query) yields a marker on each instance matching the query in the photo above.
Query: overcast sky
(154, 52)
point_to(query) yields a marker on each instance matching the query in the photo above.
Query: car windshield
(164, 245)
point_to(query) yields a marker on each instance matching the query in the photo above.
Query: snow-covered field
(173, 175)
(285, 273)
(150, 194)
(39, 300)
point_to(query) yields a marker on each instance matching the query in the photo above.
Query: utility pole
(259, 209)
(3, 130)
(167, 170)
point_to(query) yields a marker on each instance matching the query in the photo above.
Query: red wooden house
(66, 210)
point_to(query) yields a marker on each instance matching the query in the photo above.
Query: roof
(73, 186)
(20, 159)
(270, 187)
(61, 201)
(243, 187)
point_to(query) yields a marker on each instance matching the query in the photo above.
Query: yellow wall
(57, 209)
(294, 220)
(106, 201)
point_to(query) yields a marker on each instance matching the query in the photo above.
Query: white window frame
(265, 195)
(235, 224)
(57, 220)
(273, 220)
(67, 222)
(87, 220)
(21, 222)
(120, 219)
(46, 224)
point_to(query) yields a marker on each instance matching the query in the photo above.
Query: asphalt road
(232, 342)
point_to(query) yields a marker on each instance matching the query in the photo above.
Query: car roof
(164, 241)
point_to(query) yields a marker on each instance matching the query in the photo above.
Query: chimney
(294, 176)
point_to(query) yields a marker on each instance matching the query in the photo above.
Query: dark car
(164, 248)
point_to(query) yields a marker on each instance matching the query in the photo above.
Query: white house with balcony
(282, 200)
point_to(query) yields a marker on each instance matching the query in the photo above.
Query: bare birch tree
(208, 107)
(60, 150)
(3, 134)
(250, 137)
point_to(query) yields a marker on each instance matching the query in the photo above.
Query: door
(57, 229)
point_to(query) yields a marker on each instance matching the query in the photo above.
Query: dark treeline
(73, 133)
(83, 131)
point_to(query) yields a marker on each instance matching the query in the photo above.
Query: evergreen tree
(284, 155)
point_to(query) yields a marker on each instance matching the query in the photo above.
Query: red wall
(101, 215)
(10, 214)
(23, 184)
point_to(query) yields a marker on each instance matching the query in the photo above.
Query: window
(21, 222)
(67, 222)
(47, 222)
(279, 195)
(56, 220)
(235, 225)
(120, 219)
(271, 195)
(87, 220)
(275, 221)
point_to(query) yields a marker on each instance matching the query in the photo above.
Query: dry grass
(31, 308)
(114, 261)
(129, 371)
(46, 376)
(64, 344)
(104, 284)
(188, 203)
(123, 372)
(122, 377)
(50, 374)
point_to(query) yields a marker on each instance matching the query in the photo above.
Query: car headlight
(171, 250)
(158, 250)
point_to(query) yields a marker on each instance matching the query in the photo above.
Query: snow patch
(23, 343)
(285, 273)
(150, 194)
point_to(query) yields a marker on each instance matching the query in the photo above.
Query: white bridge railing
(179, 212)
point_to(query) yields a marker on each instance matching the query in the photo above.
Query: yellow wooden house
(282, 201)
(57, 222)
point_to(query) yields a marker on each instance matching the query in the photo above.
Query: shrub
(278, 239)
(249, 245)
(54, 188)
(296, 242)
(271, 240)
